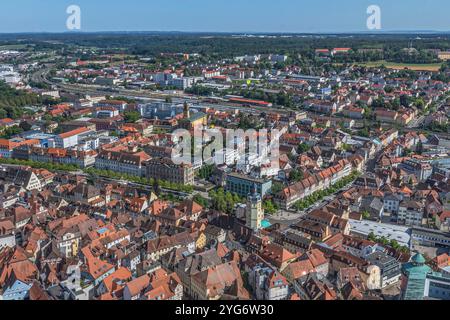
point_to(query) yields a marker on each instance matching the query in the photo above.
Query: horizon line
(366, 32)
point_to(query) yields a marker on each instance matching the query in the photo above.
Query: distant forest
(366, 47)
(226, 45)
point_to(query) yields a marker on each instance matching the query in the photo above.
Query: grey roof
(391, 232)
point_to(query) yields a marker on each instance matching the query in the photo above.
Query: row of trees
(386, 242)
(201, 91)
(155, 183)
(397, 55)
(319, 195)
(223, 201)
(41, 165)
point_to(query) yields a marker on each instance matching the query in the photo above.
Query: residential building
(165, 169)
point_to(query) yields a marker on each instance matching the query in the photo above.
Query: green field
(411, 66)
(13, 47)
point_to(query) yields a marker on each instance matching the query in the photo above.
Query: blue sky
(223, 15)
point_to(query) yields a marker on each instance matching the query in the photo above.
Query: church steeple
(254, 211)
(186, 111)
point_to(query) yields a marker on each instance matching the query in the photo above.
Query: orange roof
(120, 274)
(158, 206)
(137, 285)
(6, 120)
(97, 267)
(10, 145)
(407, 190)
(300, 268)
(295, 296)
(73, 132)
(316, 257)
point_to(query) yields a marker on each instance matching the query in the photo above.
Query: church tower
(186, 112)
(254, 212)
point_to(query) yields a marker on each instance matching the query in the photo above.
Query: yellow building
(201, 241)
(444, 55)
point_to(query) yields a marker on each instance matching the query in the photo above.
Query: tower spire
(186, 111)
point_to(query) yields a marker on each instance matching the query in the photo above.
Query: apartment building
(319, 181)
(165, 169)
(131, 163)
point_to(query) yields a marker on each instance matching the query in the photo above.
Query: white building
(226, 156)
(278, 58)
(71, 138)
(411, 213)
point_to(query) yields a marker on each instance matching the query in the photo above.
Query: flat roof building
(243, 185)
(391, 232)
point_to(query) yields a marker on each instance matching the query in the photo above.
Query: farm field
(433, 67)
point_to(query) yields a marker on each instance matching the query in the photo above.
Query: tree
(156, 188)
(394, 244)
(223, 201)
(366, 214)
(364, 132)
(296, 175)
(419, 148)
(277, 187)
(11, 131)
(384, 241)
(270, 207)
(404, 100)
(201, 201)
(419, 103)
(25, 126)
(379, 103)
(131, 116)
(389, 89)
(303, 147)
(206, 171)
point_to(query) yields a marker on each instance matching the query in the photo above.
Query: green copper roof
(415, 287)
(416, 271)
(197, 116)
(418, 259)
